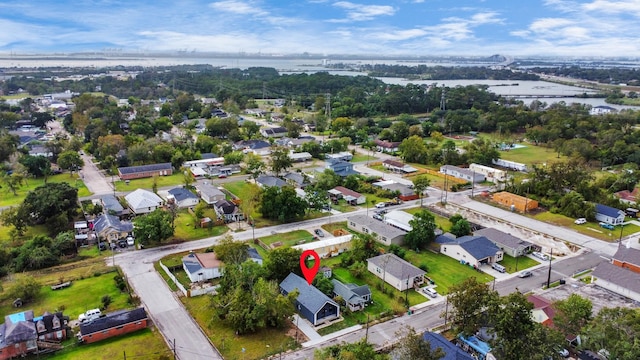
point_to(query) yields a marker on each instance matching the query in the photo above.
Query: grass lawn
(524, 262)
(242, 189)
(258, 345)
(147, 183)
(343, 206)
(147, 344)
(591, 228)
(289, 239)
(8, 199)
(31, 231)
(331, 227)
(445, 271)
(187, 229)
(81, 295)
(360, 157)
(442, 222)
(532, 154)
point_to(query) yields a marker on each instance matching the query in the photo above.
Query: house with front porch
(472, 250)
(355, 297)
(395, 271)
(311, 303)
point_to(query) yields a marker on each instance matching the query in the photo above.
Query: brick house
(113, 324)
(628, 258)
(145, 171)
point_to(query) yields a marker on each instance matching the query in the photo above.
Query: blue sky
(392, 27)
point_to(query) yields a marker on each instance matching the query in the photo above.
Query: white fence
(190, 292)
(173, 278)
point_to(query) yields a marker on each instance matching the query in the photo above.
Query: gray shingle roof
(210, 190)
(396, 267)
(267, 180)
(617, 275)
(310, 297)
(181, 193)
(346, 293)
(105, 221)
(502, 238)
(628, 255)
(377, 226)
(144, 168)
(111, 203)
(478, 246)
(451, 351)
(113, 320)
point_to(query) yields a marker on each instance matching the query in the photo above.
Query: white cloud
(400, 35)
(547, 24)
(237, 7)
(358, 12)
(614, 7)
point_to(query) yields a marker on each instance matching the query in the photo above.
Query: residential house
(515, 202)
(397, 166)
(509, 244)
(341, 168)
(145, 171)
(405, 192)
(341, 156)
(299, 180)
(386, 146)
(396, 272)
(202, 266)
(114, 324)
(22, 333)
(511, 165)
(52, 327)
(602, 110)
(111, 205)
(110, 228)
(609, 215)
(270, 181)
(295, 143)
(493, 175)
(209, 193)
(617, 279)
(628, 258)
(227, 211)
(472, 250)
(383, 233)
(329, 247)
(254, 256)
(629, 197)
(400, 219)
(311, 303)
(258, 147)
(350, 196)
(450, 350)
(355, 297)
(143, 201)
(39, 150)
(544, 312)
(461, 173)
(274, 132)
(182, 197)
(300, 157)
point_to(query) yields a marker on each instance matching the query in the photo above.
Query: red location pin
(309, 273)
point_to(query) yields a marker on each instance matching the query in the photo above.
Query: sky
(598, 28)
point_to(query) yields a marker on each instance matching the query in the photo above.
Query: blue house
(341, 168)
(311, 303)
(480, 348)
(609, 215)
(451, 351)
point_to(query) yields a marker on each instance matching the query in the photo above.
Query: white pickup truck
(90, 315)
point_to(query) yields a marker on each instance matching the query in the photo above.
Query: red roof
(347, 192)
(397, 164)
(628, 195)
(386, 144)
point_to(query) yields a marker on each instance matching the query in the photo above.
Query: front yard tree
(280, 160)
(461, 227)
(37, 166)
(154, 227)
(572, 314)
(420, 184)
(48, 201)
(423, 230)
(70, 160)
(359, 350)
(230, 251)
(413, 346)
(281, 262)
(282, 204)
(469, 301)
(617, 330)
(413, 149)
(254, 165)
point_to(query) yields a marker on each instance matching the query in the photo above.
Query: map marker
(309, 273)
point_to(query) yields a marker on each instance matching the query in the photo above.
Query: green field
(289, 239)
(257, 346)
(532, 154)
(147, 183)
(591, 228)
(360, 157)
(8, 199)
(442, 222)
(143, 344)
(523, 262)
(188, 229)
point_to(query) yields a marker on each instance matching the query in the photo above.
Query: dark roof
(617, 275)
(341, 168)
(394, 163)
(226, 206)
(105, 221)
(446, 238)
(377, 226)
(144, 168)
(268, 180)
(451, 351)
(191, 263)
(253, 254)
(348, 192)
(298, 178)
(276, 130)
(110, 202)
(47, 320)
(251, 144)
(208, 156)
(346, 292)
(18, 328)
(478, 246)
(113, 320)
(396, 267)
(310, 297)
(608, 211)
(628, 255)
(181, 193)
(386, 144)
(503, 238)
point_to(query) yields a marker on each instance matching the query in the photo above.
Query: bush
(120, 283)
(106, 301)
(424, 267)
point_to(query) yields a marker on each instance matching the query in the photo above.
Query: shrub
(106, 301)
(424, 267)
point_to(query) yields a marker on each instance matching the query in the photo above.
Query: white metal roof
(323, 243)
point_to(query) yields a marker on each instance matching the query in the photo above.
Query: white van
(90, 315)
(430, 291)
(498, 267)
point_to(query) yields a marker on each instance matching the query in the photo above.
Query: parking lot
(599, 297)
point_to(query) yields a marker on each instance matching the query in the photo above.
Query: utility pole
(549, 276)
(327, 112)
(175, 356)
(366, 334)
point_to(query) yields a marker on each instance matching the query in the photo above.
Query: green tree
(154, 227)
(70, 160)
(323, 284)
(282, 204)
(316, 198)
(363, 247)
(281, 262)
(420, 184)
(230, 251)
(327, 180)
(412, 149)
(461, 228)
(354, 351)
(234, 157)
(413, 346)
(11, 182)
(423, 230)
(572, 314)
(280, 160)
(469, 301)
(48, 201)
(35, 254)
(36, 165)
(254, 165)
(12, 216)
(24, 287)
(8, 144)
(617, 330)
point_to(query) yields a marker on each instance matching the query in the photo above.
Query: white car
(580, 221)
(381, 205)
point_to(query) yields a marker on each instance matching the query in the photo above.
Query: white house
(382, 232)
(609, 215)
(602, 110)
(395, 271)
(472, 250)
(182, 197)
(202, 266)
(143, 201)
(209, 193)
(329, 247)
(492, 174)
(461, 173)
(399, 219)
(512, 165)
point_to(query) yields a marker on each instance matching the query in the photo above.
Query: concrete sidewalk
(306, 328)
(334, 335)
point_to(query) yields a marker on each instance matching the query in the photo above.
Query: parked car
(540, 255)
(102, 246)
(563, 352)
(430, 291)
(606, 226)
(525, 274)
(90, 315)
(381, 205)
(122, 243)
(580, 221)
(318, 232)
(377, 217)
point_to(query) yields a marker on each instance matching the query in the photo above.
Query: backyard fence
(174, 279)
